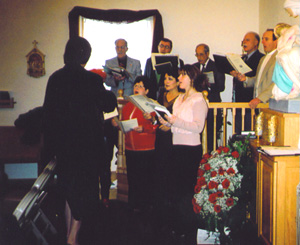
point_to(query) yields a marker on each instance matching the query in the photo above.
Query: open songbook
(158, 58)
(228, 62)
(148, 105)
(159, 108)
(141, 101)
(126, 125)
(119, 71)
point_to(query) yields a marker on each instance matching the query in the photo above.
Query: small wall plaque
(35, 62)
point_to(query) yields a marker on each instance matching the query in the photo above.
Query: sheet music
(237, 62)
(210, 76)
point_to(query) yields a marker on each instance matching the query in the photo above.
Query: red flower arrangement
(218, 180)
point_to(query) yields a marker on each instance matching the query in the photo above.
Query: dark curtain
(117, 15)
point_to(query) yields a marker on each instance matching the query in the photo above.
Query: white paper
(280, 150)
(210, 76)
(239, 65)
(112, 114)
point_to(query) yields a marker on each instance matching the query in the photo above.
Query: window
(102, 36)
(117, 16)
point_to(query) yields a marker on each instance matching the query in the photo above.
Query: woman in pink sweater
(187, 122)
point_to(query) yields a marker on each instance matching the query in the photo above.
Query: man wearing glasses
(164, 47)
(122, 61)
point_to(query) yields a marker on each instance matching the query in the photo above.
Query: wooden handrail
(225, 107)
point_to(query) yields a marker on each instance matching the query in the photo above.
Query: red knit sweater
(136, 141)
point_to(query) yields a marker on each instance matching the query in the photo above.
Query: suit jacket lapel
(129, 64)
(269, 63)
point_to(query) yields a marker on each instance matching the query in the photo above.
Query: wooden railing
(228, 107)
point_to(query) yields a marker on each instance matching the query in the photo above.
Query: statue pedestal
(287, 106)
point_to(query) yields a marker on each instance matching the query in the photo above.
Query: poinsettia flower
(225, 149)
(235, 154)
(221, 171)
(212, 185)
(229, 202)
(219, 194)
(206, 156)
(219, 151)
(200, 172)
(207, 167)
(99, 72)
(212, 198)
(217, 208)
(203, 160)
(213, 174)
(197, 208)
(194, 201)
(230, 171)
(197, 189)
(226, 183)
(201, 181)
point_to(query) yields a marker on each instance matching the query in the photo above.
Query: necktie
(245, 58)
(202, 67)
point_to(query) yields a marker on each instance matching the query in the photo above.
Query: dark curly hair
(146, 81)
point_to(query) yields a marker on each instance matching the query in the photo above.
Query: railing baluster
(215, 128)
(243, 119)
(233, 120)
(233, 107)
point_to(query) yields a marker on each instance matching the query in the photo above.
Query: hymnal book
(210, 76)
(159, 108)
(279, 150)
(127, 125)
(163, 68)
(228, 62)
(141, 102)
(158, 58)
(118, 71)
(108, 115)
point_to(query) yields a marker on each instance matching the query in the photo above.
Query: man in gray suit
(262, 82)
(132, 66)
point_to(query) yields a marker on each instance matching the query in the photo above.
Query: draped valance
(118, 16)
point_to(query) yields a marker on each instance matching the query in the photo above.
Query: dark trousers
(110, 140)
(183, 174)
(140, 178)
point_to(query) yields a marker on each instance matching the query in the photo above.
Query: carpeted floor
(116, 225)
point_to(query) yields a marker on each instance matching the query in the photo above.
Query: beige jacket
(265, 86)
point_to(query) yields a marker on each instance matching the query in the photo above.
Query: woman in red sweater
(139, 146)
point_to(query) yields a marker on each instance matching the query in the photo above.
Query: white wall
(221, 24)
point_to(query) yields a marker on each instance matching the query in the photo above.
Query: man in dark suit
(240, 93)
(157, 80)
(262, 82)
(217, 85)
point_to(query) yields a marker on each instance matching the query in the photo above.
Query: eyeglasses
(121, 47)
(164, 46)
(138, 86)
(199, 55)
